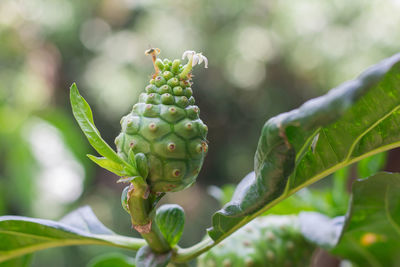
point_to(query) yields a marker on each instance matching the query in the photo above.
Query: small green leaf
(297, 148)
(142, 165)
(145, 257)
(112, 260)
(369, 234)
(21, 235)
(84, 117)
(110, 165)
(170, 219)
(131, 157)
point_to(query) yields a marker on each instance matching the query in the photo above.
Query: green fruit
(273, 241)
(165, 126)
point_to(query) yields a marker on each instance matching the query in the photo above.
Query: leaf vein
(357, 140)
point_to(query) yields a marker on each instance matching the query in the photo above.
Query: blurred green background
(265, 57)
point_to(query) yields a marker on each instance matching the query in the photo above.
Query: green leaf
(24, 261)
(112, 260)
(84, 117)
(371, 165)
(370, 233)
(145, 257)
(170, 219)
(110, 165)
(300, 147)
(21, 235)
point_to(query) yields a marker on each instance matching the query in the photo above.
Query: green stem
(156, 240)
(142, 218)
(139, 207)
(186, 254)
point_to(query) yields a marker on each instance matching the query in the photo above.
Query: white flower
(188, 54)
(197, 58)
(201, 59)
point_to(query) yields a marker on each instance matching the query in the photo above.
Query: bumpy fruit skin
(165, 126)
(273, 241)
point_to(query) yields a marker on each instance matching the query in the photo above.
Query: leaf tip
(73, 92)
(73, 86)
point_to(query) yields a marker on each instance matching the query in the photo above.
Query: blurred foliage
(266, 57)
(112, 260)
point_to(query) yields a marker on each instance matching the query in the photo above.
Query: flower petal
(200, 58)
(205, 61)
(188, 54)
(195, 60)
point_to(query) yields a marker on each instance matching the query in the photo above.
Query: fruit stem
(140, 209)
(183, 255)
(156, 240)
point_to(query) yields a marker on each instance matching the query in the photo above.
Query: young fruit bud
(165, 128)
(124, 199)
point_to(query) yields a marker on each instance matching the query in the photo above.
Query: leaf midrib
(348, 160)
(27, 235)
(30, 249)
(248, 218)
(314, 179)
(55, 242)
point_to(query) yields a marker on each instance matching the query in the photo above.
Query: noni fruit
(165, 126)
(273, 241)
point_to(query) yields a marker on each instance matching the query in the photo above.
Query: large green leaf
(355, 120)
(84, 117)
(22, 235)
(370, 234)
